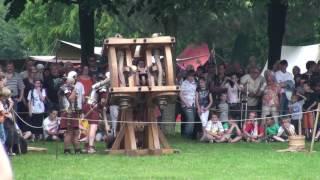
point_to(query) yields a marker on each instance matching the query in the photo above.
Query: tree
(277, 12)
(10, 38)
(87, 10)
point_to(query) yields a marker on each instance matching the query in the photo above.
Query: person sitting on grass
(232, 131)
(51, 126)
(214, 131)
(286, 129)
(252, 131)
(272, 129)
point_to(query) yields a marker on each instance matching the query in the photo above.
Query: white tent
(52, 59)
(66, 52)
(299, 55)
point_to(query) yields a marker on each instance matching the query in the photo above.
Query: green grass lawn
(195, 161)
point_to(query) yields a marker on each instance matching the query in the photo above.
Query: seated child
(232, 131)
(286, 129)
(272, 129)
(252, 131)
(214, 130)
(51, 126)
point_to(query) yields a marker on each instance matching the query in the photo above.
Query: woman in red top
(86, 80)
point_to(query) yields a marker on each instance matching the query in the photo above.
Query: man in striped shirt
(14, 83)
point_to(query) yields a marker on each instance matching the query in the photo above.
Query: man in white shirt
(253, 87)
(188, 95)
(285, 79)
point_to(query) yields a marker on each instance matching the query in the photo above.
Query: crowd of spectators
(234, 103)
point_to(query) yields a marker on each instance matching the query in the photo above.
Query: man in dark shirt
(52, 85)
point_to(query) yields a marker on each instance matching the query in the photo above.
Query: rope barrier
(36, 127)
(160, 122)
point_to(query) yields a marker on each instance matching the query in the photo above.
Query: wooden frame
(124, 91)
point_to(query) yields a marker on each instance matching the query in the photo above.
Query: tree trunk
(86, 21)
(277, 12)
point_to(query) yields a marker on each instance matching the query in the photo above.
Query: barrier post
(315, 128)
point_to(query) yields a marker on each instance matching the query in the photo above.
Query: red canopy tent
(195, 55)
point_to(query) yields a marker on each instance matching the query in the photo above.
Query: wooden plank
(120, 58)
(156, 40)
(151, 81)
(119, 138)
(144, 89)
(129, 64)
(154, 127)
(163, 139)
(159, 66)
(113, 66)
(150, 144)
(141, 152)
(130, 138)
(169, 71)
(155, 135)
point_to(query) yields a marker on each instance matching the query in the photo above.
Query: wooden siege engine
(141, 81)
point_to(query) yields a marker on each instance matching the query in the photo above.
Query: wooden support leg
(163, 140)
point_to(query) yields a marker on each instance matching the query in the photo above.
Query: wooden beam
(170, 79)
(143, 89)
(129, 64)
(163, 140)
(120, 59)
(151, 81)
(140, 41)
(119, 138)
(113, 66)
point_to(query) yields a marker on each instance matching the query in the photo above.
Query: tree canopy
(237, 29)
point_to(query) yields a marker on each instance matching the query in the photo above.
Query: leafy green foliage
(45, 23)
(10, 38)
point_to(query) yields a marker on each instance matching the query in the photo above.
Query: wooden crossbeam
(139, 41)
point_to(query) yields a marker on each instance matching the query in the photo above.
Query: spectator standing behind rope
(15, 84)
(216, 86)
(36, 98)
(28, 83)
(233, 92)
(86, 80)
(253, 82)
(203, 102)
(286, 81)
(52, 85)
(188, 96)
(270, 98)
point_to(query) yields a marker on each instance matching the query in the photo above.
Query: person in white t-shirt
(51, 126)
(214, 130)
(285, 79)
(36, 98)
(286, 129)
(188, 97)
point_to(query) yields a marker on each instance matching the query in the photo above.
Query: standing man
(15, 84)
(253, 86)
(52, 85)
(286, 81)
(188, 97)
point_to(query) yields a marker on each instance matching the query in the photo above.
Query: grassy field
(195, 161)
